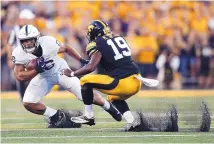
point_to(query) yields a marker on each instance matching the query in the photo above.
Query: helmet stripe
(26, 30)
(105, 28)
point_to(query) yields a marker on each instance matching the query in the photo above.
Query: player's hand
(40, 64)
(67, 72)
(84, 62)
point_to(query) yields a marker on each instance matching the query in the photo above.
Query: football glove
(40, 65)
(83, 61)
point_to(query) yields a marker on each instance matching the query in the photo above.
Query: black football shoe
(83, 120)
(114, 112)
(132, 127)
(59, 122)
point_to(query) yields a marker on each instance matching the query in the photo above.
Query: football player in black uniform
(113, 54)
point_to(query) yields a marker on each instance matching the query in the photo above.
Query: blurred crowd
(170, 41)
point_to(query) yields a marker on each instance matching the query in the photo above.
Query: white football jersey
(50, 47)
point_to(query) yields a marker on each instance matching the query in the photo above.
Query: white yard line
(15, 118)
(71, 129)
(32, 123)
(105, 136)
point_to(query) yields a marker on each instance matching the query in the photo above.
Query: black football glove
(40, 64)
(83, 61)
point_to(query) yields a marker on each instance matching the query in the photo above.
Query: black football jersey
(116, 56)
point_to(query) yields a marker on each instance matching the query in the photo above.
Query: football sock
(87, 97)
(87, 94)
(89, 111)
(128, 117)
(106, 105)
(49, 112)
(123, 108)
(121, 105)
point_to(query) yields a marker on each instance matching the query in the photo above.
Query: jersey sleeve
(50, 45)
(91, 48)
(18, 57)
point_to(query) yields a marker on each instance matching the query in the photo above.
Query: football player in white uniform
(47, 73)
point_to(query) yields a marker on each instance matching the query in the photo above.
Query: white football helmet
(28, 36)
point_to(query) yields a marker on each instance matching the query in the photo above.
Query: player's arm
(71, 52)
(90, 67)
(21, 74)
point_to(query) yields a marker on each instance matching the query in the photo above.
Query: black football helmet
(97, 28)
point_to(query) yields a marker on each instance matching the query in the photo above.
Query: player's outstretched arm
(90, 67)
(21, 74)
(71, 52)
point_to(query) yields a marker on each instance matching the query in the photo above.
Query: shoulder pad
(91, 45)
(91, 48)
(18, 56)
(49, 45)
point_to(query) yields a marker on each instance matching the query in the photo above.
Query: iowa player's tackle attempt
(36, 59)
(118, 81)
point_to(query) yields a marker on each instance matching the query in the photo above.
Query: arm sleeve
(91, 49)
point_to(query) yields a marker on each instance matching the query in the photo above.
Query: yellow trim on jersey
(92, 52)
(90, 46)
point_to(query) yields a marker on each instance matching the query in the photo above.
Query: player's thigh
(37, 88)
(126, 88)
(97, 80)
(123, 88)
(71, 84)
(100, 82)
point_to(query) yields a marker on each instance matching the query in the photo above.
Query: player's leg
(38, 88)
(107, 85)
(123, 108)
(119, 91)
(132, 86)
(21, 87)
(72, 84)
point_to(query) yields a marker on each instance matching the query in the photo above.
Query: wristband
(72, 74)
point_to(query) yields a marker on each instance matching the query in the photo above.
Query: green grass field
(20, 126)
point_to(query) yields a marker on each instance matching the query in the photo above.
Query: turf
(20, 126)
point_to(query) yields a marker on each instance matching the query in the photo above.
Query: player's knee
(75, 87)
(84, 80)
(28, 105)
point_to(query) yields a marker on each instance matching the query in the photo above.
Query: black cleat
(114, 112)
(132, 127)
(61, 119)
(83, 120)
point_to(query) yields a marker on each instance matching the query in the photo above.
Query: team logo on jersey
(13, 59)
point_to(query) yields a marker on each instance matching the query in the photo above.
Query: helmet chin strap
(30, 50)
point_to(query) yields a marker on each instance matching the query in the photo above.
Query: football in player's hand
(31, 65)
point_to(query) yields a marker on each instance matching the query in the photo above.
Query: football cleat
(132, 127)
(114, 112)
(83, 120)
(60, 121)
